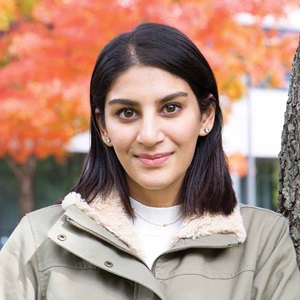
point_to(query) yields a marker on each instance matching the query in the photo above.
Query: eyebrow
(135, 103)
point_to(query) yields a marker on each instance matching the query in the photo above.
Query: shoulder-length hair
(207, 186)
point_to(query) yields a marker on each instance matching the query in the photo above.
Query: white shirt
(155, 238)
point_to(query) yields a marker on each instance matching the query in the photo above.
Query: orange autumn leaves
(45, 126)
(48, 49)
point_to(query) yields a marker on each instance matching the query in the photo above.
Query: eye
(126, 113)
(171, 108)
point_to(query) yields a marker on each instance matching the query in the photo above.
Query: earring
(107, 140)
(206, 130)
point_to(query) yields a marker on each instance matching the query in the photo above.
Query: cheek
(116, 130)
(186, 132)
(122, 137)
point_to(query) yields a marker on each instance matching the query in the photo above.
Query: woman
(154, 214)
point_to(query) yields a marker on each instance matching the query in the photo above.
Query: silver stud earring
(206, 130)
(107, 140)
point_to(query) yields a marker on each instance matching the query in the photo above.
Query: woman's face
(153, 121)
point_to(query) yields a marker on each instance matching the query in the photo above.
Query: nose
(150, 132)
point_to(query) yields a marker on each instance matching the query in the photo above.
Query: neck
(155, 198)
(164, 195)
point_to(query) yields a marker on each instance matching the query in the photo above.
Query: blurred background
(47, 52)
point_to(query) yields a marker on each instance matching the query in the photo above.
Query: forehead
(142, 81)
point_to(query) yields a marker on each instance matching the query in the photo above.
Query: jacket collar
(206, 231)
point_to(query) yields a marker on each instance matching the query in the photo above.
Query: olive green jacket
(91, 252)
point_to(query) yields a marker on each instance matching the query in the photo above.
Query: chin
(152, 185)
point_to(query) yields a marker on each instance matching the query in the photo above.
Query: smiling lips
(153, 160)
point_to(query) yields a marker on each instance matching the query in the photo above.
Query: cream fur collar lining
(111, 215)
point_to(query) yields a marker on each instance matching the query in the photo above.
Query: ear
(103, 132)
(207, 120)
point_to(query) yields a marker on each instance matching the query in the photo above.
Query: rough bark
(24, 174)
(289, 157)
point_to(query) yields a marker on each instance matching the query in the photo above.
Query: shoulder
(39, 222)
(47, 214)
(250, 212)
(263, 224)
(31, 232)
(253, 215)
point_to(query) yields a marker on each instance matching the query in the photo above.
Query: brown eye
(171, 108)
(127, 113)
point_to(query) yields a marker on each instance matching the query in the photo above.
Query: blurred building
(254, 130)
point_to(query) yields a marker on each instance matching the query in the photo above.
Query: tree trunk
(289, 157)
(24, 173)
